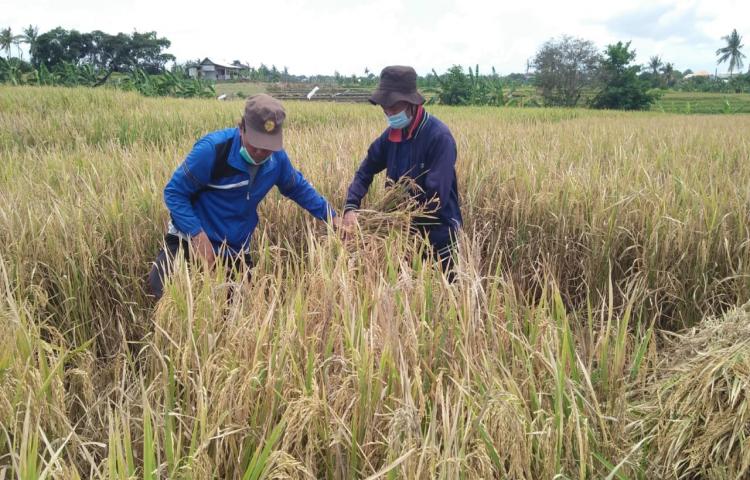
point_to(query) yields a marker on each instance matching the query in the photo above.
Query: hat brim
(266, 141)
(387, 98)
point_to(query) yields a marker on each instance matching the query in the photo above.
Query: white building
(215, 70)
(705, 74)
(699, 73)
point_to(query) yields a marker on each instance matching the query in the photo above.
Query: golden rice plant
(589, 237)
(697, 407)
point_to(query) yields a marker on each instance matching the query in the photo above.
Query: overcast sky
(321, 36)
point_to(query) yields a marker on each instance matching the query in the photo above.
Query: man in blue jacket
(415, 145)
(213, 195)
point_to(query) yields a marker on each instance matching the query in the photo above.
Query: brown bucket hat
(397, 83)
(263, 118)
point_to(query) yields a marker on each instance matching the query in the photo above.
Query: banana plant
(10, 72)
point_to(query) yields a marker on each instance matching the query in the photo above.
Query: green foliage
(71, 75)
(7, 40)
(739, 83)
(663, 75)
(71, 58)
(564, 69)
(703, 84)
(732, 52)
(703, 103)
(668, 75)
(486, 90)
(30, 35)
(105, 52)
(655, 63)
(16, 72)
(167, 84)
(11, 71)
(42, 76)
(621, 88)
(457, 88)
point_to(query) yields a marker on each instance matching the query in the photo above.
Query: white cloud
(320, 36)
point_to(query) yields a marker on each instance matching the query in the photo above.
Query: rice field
(708, 103)
(597, 327)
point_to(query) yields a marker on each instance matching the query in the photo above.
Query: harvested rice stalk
(397, 209)
(698, 409)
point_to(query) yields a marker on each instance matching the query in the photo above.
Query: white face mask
(399, 120)
(249, 158)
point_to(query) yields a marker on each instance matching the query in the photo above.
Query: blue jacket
(429, 157)
(207, 194)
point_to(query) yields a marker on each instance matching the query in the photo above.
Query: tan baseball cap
(263, 118)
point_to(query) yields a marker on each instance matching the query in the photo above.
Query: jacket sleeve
(440, 177)
(292, 184)
(191, 176)
(374, 163)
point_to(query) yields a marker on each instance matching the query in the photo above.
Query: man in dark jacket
(415, 145)
(213, 195)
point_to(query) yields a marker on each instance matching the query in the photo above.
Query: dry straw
(587, 236)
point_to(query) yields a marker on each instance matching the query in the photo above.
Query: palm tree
(6, 40)
(30, 35)
(17, 41)
(668, 72)
(655, 64)
(731, 52)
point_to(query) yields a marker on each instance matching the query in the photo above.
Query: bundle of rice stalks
(397, 210)
(698, 408)
(387, 231)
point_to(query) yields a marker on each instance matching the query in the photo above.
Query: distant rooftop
(222, 63)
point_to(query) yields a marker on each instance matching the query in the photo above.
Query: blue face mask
(246, 156)
(399, 120)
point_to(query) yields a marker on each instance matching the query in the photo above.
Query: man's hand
(348, 224)
(202, 246)
(337, 223)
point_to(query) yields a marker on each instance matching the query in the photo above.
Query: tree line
(105, 52)
(569, 70)
(69, 58)
(565, 71)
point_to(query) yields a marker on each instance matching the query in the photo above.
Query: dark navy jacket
(223, 203)
(429, 157)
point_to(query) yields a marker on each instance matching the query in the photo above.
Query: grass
(696, 102)
(670, 102)
(590, 237)
(236, 90)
